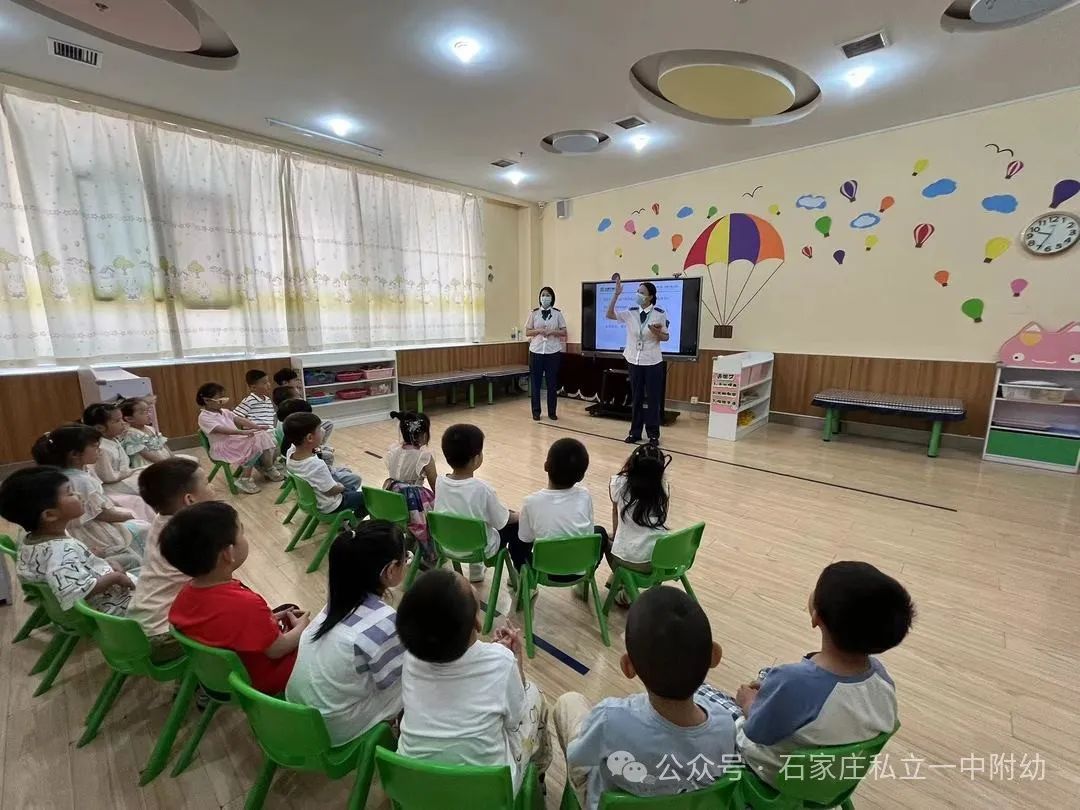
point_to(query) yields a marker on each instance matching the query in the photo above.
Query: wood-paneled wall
(797, 377)
(35, 402)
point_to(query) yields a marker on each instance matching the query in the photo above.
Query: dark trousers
(541, 366)
(646, 382)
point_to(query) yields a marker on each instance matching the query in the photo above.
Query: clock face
(1052, 233)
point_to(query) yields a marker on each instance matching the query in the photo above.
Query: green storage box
(1033, 447)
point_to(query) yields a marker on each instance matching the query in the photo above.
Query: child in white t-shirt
(466, 701)
(564, 508)
(460, 493)
(303, 433)
(410, 465)
(639, 511)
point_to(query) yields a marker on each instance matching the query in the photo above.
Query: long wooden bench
(451, 379)
(938, 410)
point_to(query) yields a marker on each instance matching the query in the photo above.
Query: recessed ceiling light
(514, 176)
(465, 49)
(340, 126)
(640, 141)
(856, 77)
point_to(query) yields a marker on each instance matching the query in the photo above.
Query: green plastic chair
(417, 785)
(287, 488)
(68, 625)
(38, 617)
(382, 504)
(295, 736)
(815, 778)
(127, 650)
(720, 795)
(224, 466)
(463, 540)
(565, 557)
(673, 555)
(211, 667)
(305, 500)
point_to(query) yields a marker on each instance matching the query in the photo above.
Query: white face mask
(545, 301)
(642, 299)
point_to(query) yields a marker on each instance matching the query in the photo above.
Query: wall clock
(1051, 233)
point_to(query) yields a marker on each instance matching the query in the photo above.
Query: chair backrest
(204, 440)
(211, 665)
(305, 495)
(70, 620)
(720, 795)
(829, 774)
(382, 504)
(291, 734)
(8, 547)
(417, 785)
(122, 641)
(459, 538)
(563, 556)
(674, 552)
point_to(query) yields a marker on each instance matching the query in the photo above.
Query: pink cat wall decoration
(1034, 347)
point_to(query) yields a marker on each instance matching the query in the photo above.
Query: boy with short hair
(206, 541)
(282, 394)
(289, 377)
(289, 387)
(167, 487)
(564, 508)
(663, 741)
(840, 695)
(461, 493)
(343, 475)
(257, 405)
(466, 701)
(41, 501)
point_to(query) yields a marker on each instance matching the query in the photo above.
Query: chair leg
(257, 795)
(291, 515)
(617, 582)
(37, 619)
(686, 586)
(324, 548)
(159, 757)
(600, 617)
(493, 596)
(57, 663)
(847, 804)
(632, 590)
(49, 653)
(230, 479)
(298, 535)
(286, 489)
(213, 471)
(101, 707)
(414, 569)
(457, 567)
(192, 745)
(365, 770)
(524, 595)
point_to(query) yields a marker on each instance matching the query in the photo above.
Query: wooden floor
(991, 554)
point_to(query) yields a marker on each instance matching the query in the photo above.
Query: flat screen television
(680, 298)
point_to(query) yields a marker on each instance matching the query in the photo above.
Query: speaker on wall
(562, 209)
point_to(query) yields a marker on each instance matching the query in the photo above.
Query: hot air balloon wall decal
(739, 253)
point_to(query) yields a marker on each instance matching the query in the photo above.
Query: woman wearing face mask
(546, 330)
(646, 328)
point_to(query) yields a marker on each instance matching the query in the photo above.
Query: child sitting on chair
(206, 541)
(639, 511)
(565, 508)
(839, 695)
(142, 442)
(41, 501)
(410, 465)
(257, 406)
(467, 701)
(303, 434)
(113, 469)
(234, 439)
(168, 486)
(662, 741)
(289, 378)
(108, 531)
(461, 493)
(343, 475)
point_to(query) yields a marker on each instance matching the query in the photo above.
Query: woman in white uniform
(546, 330)
(646, 328)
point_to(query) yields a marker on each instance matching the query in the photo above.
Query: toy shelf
(739, 395)
(353, 401)
(1029, 428)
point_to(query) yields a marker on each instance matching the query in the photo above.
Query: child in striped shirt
(349, 663)
(257, 406)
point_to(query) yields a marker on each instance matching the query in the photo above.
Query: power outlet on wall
(694, 400)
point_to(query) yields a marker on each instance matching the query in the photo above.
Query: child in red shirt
(206, 541)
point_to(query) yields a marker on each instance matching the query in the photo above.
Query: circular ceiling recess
(725, 87)
(993, 15)
(575, 142)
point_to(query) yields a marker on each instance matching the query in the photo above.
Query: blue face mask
(642, 299)
(545, 301)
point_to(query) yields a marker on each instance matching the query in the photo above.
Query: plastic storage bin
(1034, 392)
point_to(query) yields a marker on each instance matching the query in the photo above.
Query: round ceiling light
(575, 142)
(991, 15)
(725, 87)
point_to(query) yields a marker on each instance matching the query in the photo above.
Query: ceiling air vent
(74, 53)
(631, 122)
(864, 45)
(503, 163)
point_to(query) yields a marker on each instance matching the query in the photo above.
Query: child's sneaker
(476, 572)
(273, 474)
(248, 486)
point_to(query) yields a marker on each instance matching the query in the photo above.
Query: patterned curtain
(125, 239)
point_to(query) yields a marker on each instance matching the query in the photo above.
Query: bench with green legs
(938, 410)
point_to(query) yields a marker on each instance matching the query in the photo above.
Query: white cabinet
(350, 387)
(739, 394)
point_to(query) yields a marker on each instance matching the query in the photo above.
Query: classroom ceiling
(541, 68)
